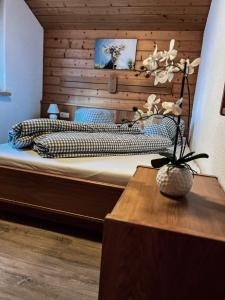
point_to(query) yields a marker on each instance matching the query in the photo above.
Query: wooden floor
(38, 264)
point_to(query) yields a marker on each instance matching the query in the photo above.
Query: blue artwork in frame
(117, 54)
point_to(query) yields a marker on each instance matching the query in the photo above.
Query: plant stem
(179, 119)
(187, 140)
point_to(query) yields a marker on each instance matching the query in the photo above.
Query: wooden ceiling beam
(140, 35)
(151, 10)
(115, 3)
(126, 26)
(122, 19)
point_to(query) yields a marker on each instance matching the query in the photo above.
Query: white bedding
(114, 169)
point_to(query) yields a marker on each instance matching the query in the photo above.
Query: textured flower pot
(173, 181)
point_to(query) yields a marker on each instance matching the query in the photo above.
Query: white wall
(2, 50)
(208, 126)
(23, 40)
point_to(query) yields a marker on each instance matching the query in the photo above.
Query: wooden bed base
(66, 200)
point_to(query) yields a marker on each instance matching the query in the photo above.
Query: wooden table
(156, 248)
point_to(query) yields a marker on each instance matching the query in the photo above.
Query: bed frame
(66, 200)
(69, 200)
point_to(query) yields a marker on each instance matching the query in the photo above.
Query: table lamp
(53, 111)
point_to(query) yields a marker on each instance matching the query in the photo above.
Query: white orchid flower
(190, 66)
(149, 113)
(193, 64)
(172, 108)
(139, 114)
(161, 77)
(170, 72)
(171, 54)
(164, 75)
(151, 63)
(151, 103)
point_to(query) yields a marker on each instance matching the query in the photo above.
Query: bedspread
(57, 139)
(23, 134)
(77, 144)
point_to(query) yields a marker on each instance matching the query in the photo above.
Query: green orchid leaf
(167, 155)
(159, 162)
(179, 161)
(201, 155)
(182, 159)
(189, 154)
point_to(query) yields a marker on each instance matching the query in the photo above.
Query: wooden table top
(201, 212)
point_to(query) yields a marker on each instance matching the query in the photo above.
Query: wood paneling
(121, 14)
(71, 53)
(113, 85)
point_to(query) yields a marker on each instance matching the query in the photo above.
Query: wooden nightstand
(156, 248)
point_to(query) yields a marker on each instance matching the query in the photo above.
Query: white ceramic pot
(174, 181)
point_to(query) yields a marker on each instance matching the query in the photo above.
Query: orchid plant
(162, 66)
(152, 106)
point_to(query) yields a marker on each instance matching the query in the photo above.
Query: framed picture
(117, 54)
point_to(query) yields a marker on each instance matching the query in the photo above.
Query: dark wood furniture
(158, 248)
(67, 200)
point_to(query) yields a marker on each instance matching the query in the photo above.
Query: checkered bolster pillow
(166, 128)
(23, 134)
(76, 144)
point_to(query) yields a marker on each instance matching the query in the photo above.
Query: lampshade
(53, 109)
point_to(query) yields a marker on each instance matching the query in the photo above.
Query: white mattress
(114, 169)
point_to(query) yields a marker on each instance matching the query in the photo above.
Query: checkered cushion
(169, 127)
(166, 128)
(152, 129)
(57, 138)
(23, 134)
(76, 144)
(93, 115)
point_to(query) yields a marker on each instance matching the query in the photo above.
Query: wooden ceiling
(122, 14)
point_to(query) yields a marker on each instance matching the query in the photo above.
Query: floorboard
(39, 264)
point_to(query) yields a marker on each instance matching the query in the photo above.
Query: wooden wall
(71, 53)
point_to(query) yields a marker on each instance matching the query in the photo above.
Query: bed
(78, 191)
